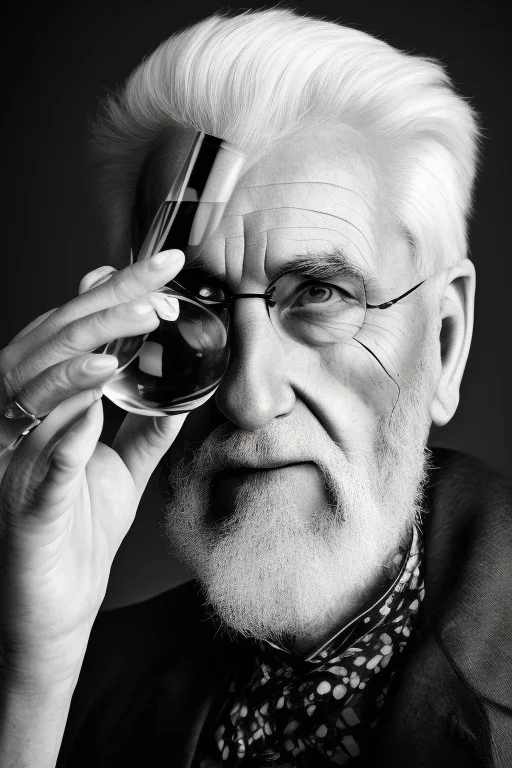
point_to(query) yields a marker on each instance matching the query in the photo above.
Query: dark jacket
(152, 670)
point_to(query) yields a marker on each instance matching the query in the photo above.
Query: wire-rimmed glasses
(179, 365)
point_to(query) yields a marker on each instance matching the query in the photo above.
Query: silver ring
(15, 417)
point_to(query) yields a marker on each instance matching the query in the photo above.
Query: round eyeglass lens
(315, 311)
(176, 367)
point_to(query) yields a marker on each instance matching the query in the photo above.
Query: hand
(67, 500)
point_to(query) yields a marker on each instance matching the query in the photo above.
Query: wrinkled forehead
(311, 188)
(335, 158)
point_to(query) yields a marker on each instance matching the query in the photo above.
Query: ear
(457, 309)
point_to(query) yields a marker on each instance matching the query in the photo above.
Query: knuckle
(72, 336)
(58, 379)
(64, 459)
(103, 324)
(123, 287)
(86, 333)
(6, 359)
(13, 381)
(54, 322)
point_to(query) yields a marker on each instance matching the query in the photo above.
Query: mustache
(280, 444)
(228, 449)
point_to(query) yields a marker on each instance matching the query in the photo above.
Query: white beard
(267, 570)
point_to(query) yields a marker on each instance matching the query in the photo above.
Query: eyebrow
(322, 265)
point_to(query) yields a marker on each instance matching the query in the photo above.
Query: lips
(231, 472)
(227, 483)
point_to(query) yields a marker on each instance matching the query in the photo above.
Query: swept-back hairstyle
(260, 78)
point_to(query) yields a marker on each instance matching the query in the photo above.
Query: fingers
(58, 382)
(141, 442)
(32, 460)
(95, 278)
(70, 457)
(124, 286)
(33, 324)
(135, 318)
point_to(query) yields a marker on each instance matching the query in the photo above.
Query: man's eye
(320, 293)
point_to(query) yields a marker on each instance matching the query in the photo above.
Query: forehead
(311, 195)
(307, 196)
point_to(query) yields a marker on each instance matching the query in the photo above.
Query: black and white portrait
(255, 504)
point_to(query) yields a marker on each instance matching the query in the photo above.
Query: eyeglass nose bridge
(267, 297)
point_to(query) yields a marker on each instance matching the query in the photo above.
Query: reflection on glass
(177, 367)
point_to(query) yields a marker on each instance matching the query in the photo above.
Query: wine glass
(178, 366)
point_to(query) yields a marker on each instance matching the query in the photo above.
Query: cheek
(398, 338)
(347, 391)
(354, 376)
(356, 384)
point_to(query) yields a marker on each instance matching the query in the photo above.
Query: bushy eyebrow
(324, 265)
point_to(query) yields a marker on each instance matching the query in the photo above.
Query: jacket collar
(468, 574)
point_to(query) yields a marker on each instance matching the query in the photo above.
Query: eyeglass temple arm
(387, 304)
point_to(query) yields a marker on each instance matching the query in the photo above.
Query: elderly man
(351, 600)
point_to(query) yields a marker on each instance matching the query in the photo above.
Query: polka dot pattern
(320, 710)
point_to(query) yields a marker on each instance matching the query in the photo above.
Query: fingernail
(167, 258)
(167, 307)
(99, 363)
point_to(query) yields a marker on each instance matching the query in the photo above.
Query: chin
(272, 567)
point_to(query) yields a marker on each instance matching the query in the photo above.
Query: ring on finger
(17, 421)
(15, 388)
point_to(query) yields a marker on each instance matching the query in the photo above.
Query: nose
(256, 387)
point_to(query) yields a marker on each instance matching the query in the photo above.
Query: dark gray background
(62, 58)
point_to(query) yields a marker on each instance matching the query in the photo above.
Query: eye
(320, 293)
(317, 294)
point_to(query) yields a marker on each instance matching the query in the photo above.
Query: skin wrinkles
(346, 221)
(311, 183)
(227, 253)
(390, 338)
(336, 252)
(336, 204)
(381, 364)
(327, 206)
(249, 256)
(284, 399)
(386, 366)
(269, 271)
(371, 212)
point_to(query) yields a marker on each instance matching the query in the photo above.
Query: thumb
(142, 441)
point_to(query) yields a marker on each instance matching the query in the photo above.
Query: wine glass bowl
(176, 367)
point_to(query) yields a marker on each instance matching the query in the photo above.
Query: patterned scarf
(286, 711)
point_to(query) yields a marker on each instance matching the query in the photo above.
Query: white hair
(260, 78)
